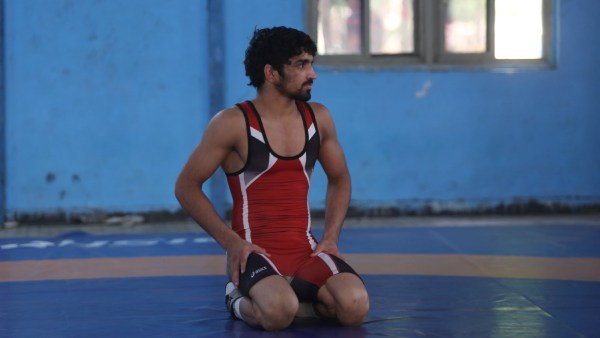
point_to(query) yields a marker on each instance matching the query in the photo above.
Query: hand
(237, 257)
(327, 246)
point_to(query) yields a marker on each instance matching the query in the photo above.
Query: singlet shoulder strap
(251, 115)
(306, 111)
(309, 117)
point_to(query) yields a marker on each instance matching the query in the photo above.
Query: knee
(353, 308)
(278, 313)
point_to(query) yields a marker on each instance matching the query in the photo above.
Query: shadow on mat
(300, 328)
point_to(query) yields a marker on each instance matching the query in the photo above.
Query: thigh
(272, 289)
(270, 301)
(343, 295)
(258, 267)
(316, 272)
(340, 287)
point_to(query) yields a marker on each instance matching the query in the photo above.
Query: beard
(300, 94)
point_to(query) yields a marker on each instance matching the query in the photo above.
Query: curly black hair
(274, 46)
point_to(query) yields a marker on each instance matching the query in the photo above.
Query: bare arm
(333, 161)
(218, 142)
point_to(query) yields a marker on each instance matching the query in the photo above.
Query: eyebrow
(303, 60)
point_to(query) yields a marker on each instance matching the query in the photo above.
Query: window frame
(429, 42)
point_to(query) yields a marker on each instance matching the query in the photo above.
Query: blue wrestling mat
(492, 281)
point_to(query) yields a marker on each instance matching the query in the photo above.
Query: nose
(312, 74)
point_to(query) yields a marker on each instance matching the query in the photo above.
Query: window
(431, 33)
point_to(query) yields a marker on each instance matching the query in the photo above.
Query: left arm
(333, 161)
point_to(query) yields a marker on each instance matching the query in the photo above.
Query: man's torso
(270, 192)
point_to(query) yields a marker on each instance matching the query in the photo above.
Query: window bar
(365, 38)
(491, 30)
(428, 16)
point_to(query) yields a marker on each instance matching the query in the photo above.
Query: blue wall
(106, 99)
(103, 100)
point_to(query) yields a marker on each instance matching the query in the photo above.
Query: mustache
(308, 82)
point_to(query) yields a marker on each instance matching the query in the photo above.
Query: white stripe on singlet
(330, 263)
(245, 222)
(257, 134)
(244, 187)
(311, 240)
(271, 263)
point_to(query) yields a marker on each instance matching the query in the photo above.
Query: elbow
(343, 179)
(186, 189)
(341, 183)
(180, 189)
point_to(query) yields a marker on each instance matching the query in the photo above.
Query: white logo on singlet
(257, 271)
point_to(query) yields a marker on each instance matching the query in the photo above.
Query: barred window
(432, 32)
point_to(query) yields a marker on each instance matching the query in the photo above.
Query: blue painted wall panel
(104, 101)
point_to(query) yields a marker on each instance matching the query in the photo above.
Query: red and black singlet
(270, 193)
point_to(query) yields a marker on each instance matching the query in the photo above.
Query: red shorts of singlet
(306, 281)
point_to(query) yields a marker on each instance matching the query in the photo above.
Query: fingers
(326, 248)
(243, 261)
(239, 260)
(233, 269)
(317, 250)
(329, 252)
(245, 254)
(260, 250)
(235, 277)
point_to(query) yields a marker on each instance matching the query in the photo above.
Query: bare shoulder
(323, 117)
(232, 115)
(319, 108)
(331, 154)
(227, 122)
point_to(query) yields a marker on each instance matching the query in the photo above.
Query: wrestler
(268, 148)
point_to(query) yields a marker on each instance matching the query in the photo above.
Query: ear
(271, 74)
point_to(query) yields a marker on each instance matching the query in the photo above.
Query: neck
(270, 102)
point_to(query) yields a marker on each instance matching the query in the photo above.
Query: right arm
(219, 141)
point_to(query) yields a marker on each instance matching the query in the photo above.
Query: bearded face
(296, 79)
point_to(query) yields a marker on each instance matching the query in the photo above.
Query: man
(268, 148)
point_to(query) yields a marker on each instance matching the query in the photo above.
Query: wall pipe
(216, 73)
(2, 118)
